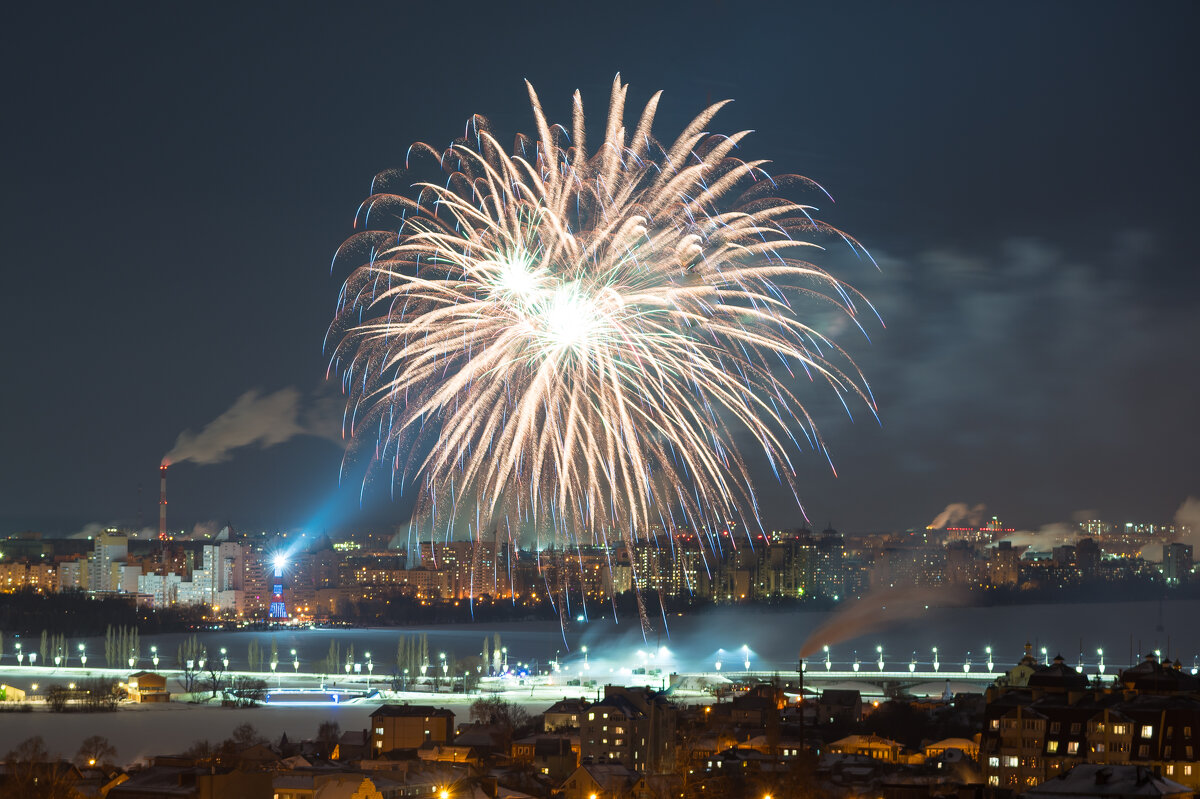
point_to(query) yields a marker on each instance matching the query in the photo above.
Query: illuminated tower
(278, 608)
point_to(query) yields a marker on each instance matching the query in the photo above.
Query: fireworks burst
(585, 332)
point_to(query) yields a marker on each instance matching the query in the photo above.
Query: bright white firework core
(570, 319)
(516, 277)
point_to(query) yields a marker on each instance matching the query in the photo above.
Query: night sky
(178, 176)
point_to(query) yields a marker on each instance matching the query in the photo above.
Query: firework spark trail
(586, 332)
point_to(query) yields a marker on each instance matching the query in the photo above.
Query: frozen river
(770, 640)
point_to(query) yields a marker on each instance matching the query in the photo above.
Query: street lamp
(224, 658)
(879, 652)
(912, 664)
(154, 656)
(1100, 653)
(58, 657)
(856, 663)
(20, 656)
(370, 669)
(936, 665)
(720, 652)
(828, 662)
(295, 662)
(1045, 657)
(991, 664)
(82, 656)
(132, 657)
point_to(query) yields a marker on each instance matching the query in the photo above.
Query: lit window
(1147, 731)
(1011, 761)
(1073, 748)
(994, 762)
(993, 780)
(1051, 747)
(995, 724)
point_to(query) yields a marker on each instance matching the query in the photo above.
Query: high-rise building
(1004, 564)
(1087, 558)
(1177, 563)
(829, 572)
(108, 549)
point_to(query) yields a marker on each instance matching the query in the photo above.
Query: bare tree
(95, 751)
(248, 691)
(328, 735)
(495, 711)
(32, 774)
(216, 675)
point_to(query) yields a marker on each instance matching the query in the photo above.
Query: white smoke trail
(258, 419)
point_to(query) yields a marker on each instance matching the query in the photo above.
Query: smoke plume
(1045, 537)
(258, 419)
(958, 512)
(877, 610)
(1188, 516)
(93, 529)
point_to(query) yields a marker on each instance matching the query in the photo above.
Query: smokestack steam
(262, 419)
(957, 512)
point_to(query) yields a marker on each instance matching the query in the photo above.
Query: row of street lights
(60, 659)
(913, 664)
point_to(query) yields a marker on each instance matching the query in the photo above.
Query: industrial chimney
(162, 502)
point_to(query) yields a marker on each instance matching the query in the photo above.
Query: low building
(409, 726)
(10, 693)
(200, 782)
(555, 756)
(872, 746)
(146, 686)
(631, 726)
(564, 714)
(607, 781)
(967, 747)
(1096, 781)
(323, 786)
(837, 706)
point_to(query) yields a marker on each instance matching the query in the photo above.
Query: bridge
(872, 680)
